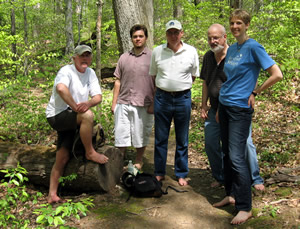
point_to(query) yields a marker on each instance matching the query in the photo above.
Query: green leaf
(15, 182)
(40, 218)
(59, 210)
(50, 220)
(20, 176)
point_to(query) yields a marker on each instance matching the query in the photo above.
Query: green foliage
(14, 196)
(271, 210)
(64, 179)
(49, 216)
(276, 26)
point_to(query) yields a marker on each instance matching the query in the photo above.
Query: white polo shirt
(174, 71)
(80, 85)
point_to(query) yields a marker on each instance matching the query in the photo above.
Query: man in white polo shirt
(69, 108)
(174, 66)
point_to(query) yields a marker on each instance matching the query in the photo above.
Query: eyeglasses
(214, 38)
(176, 33)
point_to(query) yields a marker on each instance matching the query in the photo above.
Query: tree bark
(25, 38)
(128, 13)
(69, 28)
(38, 162)
(98, 39)
(177, 9)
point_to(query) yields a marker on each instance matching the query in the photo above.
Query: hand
(204, 112)
(217, 116)
(150, 109)
(83, 107)
(113, 107)
(251, 101)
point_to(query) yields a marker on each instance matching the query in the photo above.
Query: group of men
(150, 87)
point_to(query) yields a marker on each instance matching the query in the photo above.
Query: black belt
(173, 93)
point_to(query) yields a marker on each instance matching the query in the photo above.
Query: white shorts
(133, 126)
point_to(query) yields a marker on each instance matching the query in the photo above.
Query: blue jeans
(167, 107)
(215, 155)
(235, 124)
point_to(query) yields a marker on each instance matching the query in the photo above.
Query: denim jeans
(215, 155)
(168, 107)
(235, 124)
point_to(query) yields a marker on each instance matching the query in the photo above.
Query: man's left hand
(83, 107)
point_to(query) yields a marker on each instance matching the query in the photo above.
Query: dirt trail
(191, 209)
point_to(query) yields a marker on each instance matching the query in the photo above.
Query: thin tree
(69, 28)
(98, 38)
(25, 37)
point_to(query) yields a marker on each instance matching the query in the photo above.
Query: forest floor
(277, 207)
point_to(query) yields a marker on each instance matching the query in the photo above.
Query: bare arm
(84, 106)
(65, 94)
(150, 109)
(275, 76)
(116, 92)
(205, 108)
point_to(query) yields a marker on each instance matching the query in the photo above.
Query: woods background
(38, 37)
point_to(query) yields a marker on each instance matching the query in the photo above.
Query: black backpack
(144, 185)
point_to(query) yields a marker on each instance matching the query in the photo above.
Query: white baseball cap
(173, 24)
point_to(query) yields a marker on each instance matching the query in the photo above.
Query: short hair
(241, 14)
(220, 27)
(137, 28)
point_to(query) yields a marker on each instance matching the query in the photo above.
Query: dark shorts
(65, 123)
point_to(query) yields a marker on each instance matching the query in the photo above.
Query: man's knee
(86, 116)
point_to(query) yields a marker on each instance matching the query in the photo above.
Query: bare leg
(241, 217)
(160, 178)
(62, 157)
(139, 157)
(182, 182)
(85, 120)
(227, 200)
(123, 150)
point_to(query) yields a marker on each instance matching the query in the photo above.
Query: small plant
(48, 216)
(63, 180)
(271, 210)
(15, 195)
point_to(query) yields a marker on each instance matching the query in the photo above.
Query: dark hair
(241, 14)
(138, 27)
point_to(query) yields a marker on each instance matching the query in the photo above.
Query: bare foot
(97, 157)
(215, 184)
(160, 178)
(241, 217)
(182, 182)
(259, 187)
(55, 199)
(227, 200)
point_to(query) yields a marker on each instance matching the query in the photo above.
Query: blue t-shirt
(242, 67)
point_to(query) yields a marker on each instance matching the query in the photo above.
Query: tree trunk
(79, 22)
(38, 162)
(25, 38)
(98, 39)
(69, 28)
(13, 30)
(177, 9)
(128, 13)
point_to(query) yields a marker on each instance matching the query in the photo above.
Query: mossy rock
(285, 191)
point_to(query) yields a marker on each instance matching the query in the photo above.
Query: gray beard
(217, 49)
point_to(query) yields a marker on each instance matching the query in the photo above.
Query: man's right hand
(204, 112)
